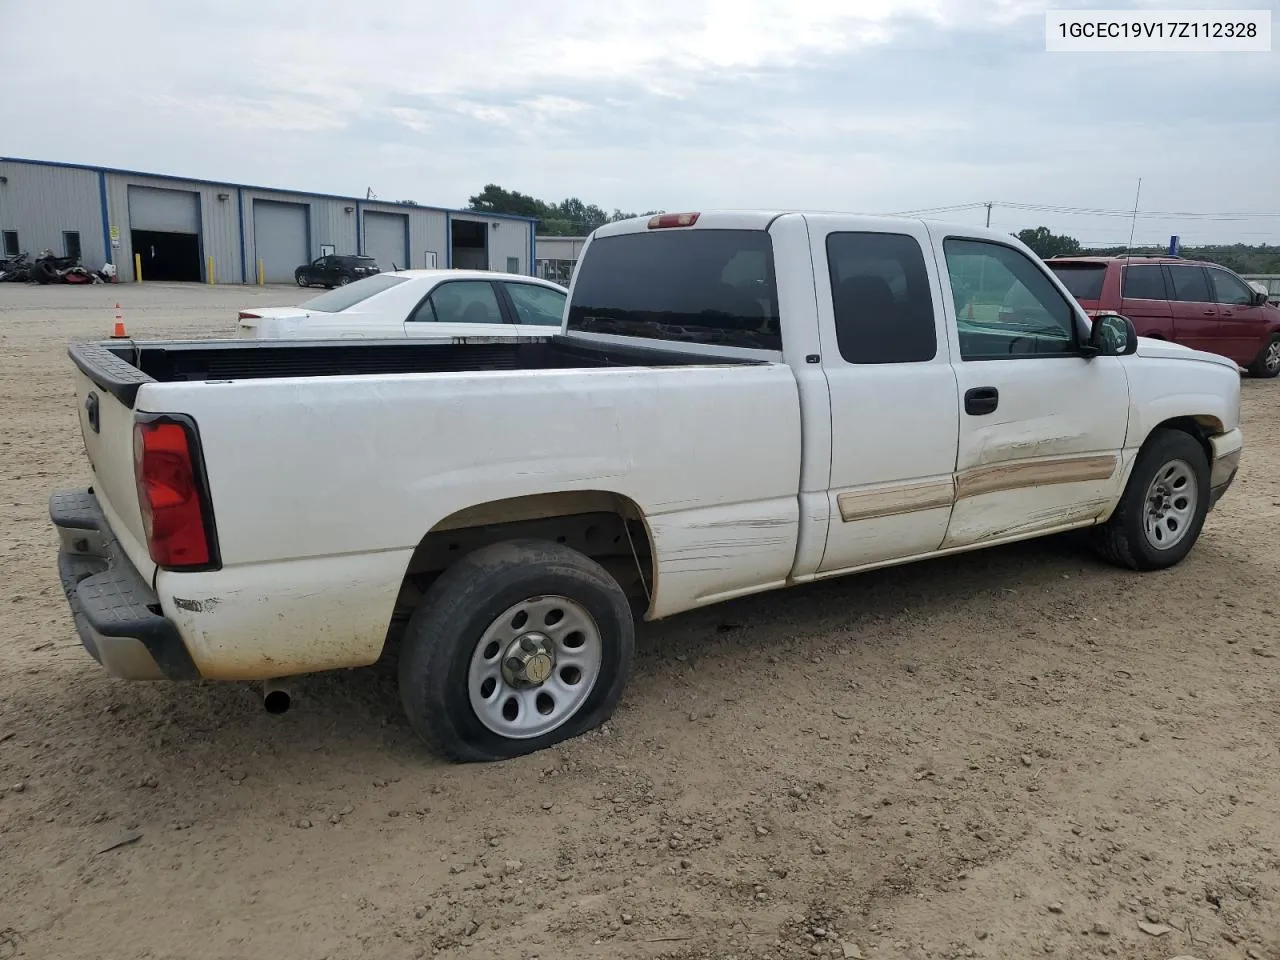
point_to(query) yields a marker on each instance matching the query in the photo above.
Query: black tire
(44, 272)
(1267, 363)
(1123, 539)
(443, 632)
(343, 281)
(302, 279)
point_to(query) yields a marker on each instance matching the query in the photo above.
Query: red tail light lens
(170, 494)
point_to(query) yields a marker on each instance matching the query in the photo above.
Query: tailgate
(106, 426)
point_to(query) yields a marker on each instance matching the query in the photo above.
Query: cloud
(872, 105)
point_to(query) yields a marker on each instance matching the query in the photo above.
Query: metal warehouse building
(201, 230)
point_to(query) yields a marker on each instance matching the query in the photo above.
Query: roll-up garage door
(164, 230)
(281, 238)
(386, 239)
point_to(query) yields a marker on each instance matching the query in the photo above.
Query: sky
(873, 106)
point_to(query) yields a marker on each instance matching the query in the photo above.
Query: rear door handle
(981, 400)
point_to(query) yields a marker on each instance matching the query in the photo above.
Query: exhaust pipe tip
(276, 697)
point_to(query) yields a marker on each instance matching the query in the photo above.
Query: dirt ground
(1013, 753)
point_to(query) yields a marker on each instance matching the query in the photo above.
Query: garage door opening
(164, 231)
(470, 245)
(167, 256)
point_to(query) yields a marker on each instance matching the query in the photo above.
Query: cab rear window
(705, 286)
(1083, 280)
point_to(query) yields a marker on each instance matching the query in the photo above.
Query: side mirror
(1113, 336)
(1259, 297)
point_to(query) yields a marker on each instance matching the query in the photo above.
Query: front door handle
(981, 400)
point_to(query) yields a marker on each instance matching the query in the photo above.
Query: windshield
(1083, 280)
(341, 298)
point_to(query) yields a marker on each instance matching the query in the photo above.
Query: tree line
(1240, 257)
(568, 218)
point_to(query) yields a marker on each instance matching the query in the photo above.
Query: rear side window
(537, 305)
(1144, 282)
(1189, 284)
(1082, 280)
(880, 294)
(697, 286)
(340, 298)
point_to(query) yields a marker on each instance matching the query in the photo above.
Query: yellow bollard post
(137, 267)
(261, 280)
(210, 271)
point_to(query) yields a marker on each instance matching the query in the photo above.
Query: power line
(1089, 211)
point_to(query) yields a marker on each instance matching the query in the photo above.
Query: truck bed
(122, 366)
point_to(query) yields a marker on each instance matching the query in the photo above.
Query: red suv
(1200, 305)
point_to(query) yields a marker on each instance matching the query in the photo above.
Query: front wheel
(1267, 363)
(516, 647)
(302, 279)
(343, 281)
(1163, 508)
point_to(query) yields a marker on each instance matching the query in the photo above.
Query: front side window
(881, 299)
(1230, 290)
(466, 301)
(537, 305)
(1005, 305)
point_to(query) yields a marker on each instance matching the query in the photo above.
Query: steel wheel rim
(534, 667)
(1272, 359)
(302, 281)
(1170, 507)
(343, 281)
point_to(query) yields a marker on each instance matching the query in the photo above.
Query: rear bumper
(117, 614)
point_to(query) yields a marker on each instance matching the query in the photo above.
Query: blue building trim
(533, 250)
(359, 232)
(448, 241)
(244, 268)
(247, 186)
(106, 218)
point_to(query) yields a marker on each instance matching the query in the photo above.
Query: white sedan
(418, 303)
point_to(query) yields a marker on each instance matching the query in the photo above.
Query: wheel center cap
(529, 660)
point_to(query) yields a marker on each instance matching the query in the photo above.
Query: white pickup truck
(736, 402)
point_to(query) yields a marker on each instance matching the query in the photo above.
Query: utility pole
(988, 213)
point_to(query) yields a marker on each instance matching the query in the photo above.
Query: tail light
(176, 513)
(245, 315)
(663, 220)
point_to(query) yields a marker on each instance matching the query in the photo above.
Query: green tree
(494, 199)
(571, 217)
(1046, 244)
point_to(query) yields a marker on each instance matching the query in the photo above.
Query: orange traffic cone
(118, 332)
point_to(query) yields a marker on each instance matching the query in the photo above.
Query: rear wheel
(1267, 363)
(343, 281)
(514, 648)
(1162, 510)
